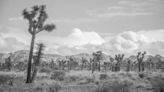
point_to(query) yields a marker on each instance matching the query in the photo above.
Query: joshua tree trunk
(35, 70)
(128, 66)
(62, 66)
(90, 65)
(139, 66)
(37, 61)
(143, 66)
(93, 67)
(105, 66)
(82, 66)
(99, 66)
(34, 73)
(30, 59)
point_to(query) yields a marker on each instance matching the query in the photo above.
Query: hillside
(22, 56)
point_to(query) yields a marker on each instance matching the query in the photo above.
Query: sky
(86, 26)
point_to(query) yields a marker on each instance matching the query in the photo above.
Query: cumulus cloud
(10, 44)
(79, 41)
(79, 38)
(128, 42)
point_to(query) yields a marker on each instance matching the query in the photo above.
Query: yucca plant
(36, 19)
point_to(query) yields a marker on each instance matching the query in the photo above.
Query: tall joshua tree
(36, 18)
(140, 58)
(97, 57)
(119, 59)
(84, 63)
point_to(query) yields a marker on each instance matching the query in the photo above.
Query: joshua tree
(128, 65)
(97, 57)
(37, 58)
(140, 58)
(93, 65)
(112, 63)
(84, 63)
(106, 64)
(71, 63)
(52, 64)
(36, 18)
(62, 64)
(90, 63)
(119, 59)
(8, 62)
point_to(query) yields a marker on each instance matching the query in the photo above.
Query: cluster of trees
(119, 62)
(95, 63)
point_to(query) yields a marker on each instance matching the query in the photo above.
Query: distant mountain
(22, 56)
(105, 58)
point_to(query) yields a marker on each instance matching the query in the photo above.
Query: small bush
(58, 75)
(141, 75)
(5, 79)
(158, 84)
(103, 76)
(54, 88)
(73, 78)
(45, 70)
(114, 86)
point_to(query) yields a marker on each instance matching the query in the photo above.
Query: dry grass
(84, 81)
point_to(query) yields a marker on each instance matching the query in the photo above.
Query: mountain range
(22, 56)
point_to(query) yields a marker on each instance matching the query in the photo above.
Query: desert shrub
(45, 70)
(72, 78)
(158, 84)
(114, 86)
(58, 75)
(141, 75)
(20, 66)
(86, 80)
(103, 76)
(54, 88)
(6, 78)
(90, 80)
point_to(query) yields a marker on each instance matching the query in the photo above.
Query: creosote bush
(58, 75)
(103, 76)
(5, 79)
(45, 70)
(114, 86)
(141, 75)
(54, 88)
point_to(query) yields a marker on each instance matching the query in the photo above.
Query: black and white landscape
(81, 46)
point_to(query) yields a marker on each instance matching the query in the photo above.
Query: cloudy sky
(85, 26)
